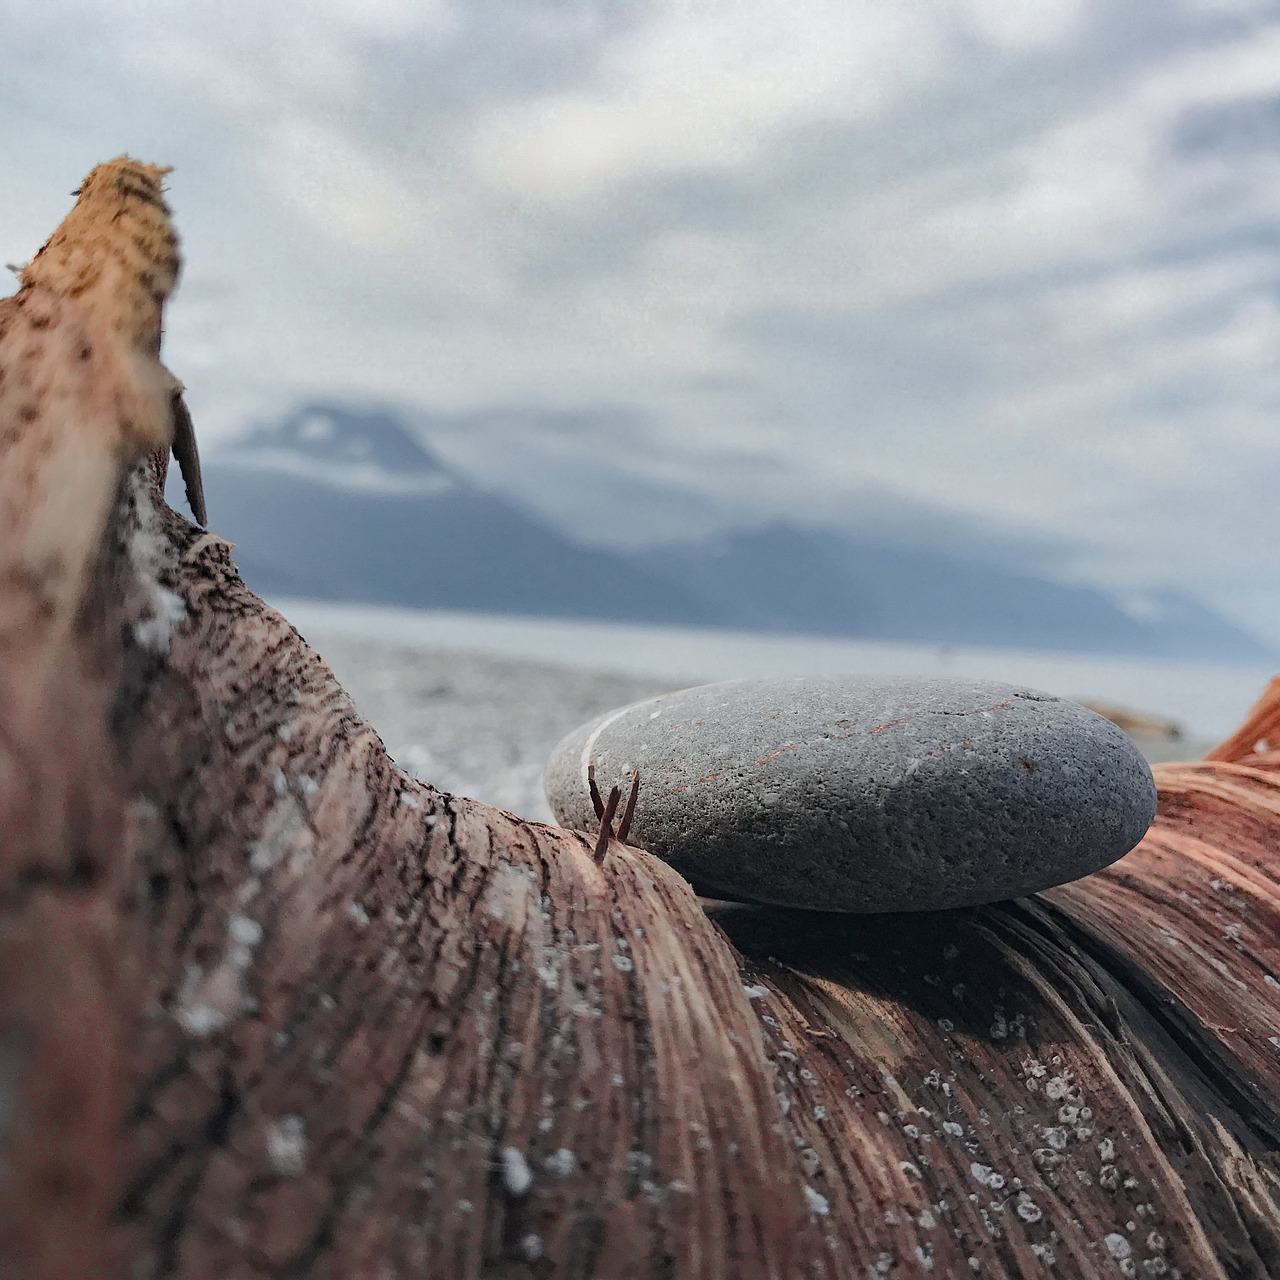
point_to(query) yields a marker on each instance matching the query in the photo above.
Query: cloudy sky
(967, 266)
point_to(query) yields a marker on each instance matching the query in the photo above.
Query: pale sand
(484, 727)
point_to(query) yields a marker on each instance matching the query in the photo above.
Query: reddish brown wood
(269, 1007)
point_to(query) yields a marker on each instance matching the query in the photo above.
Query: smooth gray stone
(849, 793)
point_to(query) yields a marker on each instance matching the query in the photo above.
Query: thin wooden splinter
(604, 812)
(606, 823)
(624, 827)
(596, 803)
(188, 456)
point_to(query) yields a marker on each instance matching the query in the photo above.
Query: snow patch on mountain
(367, 453)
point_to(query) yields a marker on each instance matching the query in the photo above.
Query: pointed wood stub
(83, 394)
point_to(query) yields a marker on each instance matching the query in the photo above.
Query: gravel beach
(484, 726)
(474, 725)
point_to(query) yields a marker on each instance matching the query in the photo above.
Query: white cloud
(1021, 261)
(709, 88)
(1032, 24)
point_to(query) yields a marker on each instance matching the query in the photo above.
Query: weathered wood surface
(269, 1007)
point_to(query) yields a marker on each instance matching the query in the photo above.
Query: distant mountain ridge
(300, 503)
(348, 506)
(781, 577)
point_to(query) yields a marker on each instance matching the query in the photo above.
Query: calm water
(1208, 701)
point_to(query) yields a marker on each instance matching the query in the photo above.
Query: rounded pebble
(865, 794)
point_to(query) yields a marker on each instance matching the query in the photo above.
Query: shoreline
(1208, 701)
(484, 726)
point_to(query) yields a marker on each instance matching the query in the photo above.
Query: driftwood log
(271, 1007)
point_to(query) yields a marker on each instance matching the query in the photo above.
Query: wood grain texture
(269, 1007)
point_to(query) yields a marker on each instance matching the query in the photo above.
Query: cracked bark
(269, 1007)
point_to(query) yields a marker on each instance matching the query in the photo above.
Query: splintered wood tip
(116, 249)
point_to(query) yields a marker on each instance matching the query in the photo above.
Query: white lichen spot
(910, 1169)
(986, 1175)
(287, 1146)
(245, 936)
(562, 1163)
(809, 1162)
(1056, 1137)
(531, 1247)
(516, 1175)
(1027, 1209)
(307, 785)
(924, 1256)
(755, 993)
(201, 1020)
(623, 964)
(144, 810)
(1057, 1088)
(284, 829)
(284, 732)
(244, 932)
(358, 914)
(818, 1204)
(155, 632)
(952, 1129)
(1116, 1245)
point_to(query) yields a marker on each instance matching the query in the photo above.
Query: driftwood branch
(270, 1007)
